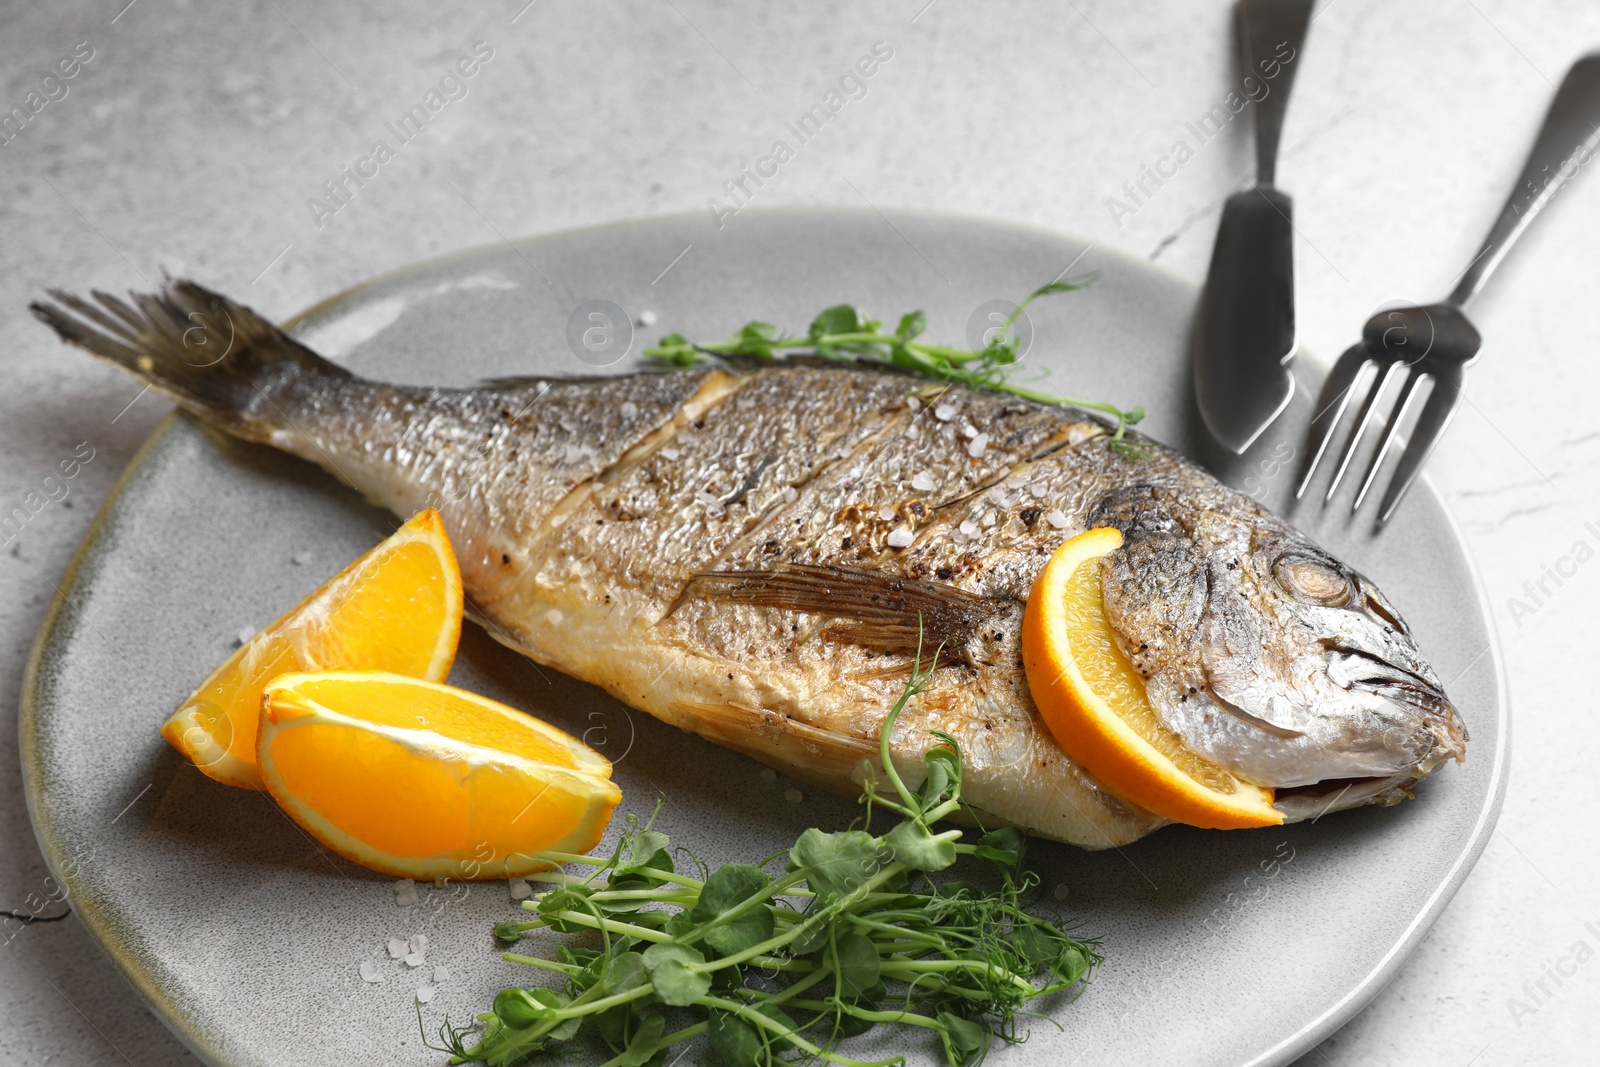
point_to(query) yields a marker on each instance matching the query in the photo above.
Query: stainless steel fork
(1437, 341)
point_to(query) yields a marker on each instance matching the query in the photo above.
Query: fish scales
(676, 512)
(496, 462)
(609, 575)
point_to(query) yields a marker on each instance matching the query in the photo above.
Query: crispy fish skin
(756, 556)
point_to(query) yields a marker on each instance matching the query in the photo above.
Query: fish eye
(1313, 581)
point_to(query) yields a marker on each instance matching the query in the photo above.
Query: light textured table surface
(192, 139)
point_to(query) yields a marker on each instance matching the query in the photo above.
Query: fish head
(1265, 653)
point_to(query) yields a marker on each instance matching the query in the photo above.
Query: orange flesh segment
(450, 712)
(352, 777)
(419, 780)
(1094, 703)
(1107, 671)
(397, 608)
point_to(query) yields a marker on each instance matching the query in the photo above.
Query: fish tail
(217, 359)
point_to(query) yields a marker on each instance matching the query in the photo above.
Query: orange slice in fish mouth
(397, 608)
(1094, 702)
(421, 780)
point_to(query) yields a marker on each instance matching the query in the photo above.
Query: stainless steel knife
(1245, 332)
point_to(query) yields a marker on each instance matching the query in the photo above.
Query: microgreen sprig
(778, 968)
(843, 333)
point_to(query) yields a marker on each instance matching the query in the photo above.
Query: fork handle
(1272, 34)
(1566, 141)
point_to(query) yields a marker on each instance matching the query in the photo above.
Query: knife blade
(1245, 330)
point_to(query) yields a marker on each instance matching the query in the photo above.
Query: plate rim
(160, 1002)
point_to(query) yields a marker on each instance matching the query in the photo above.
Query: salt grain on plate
(922, 482)
(520, 890)
(629, 409)
(647, 317)
(424, 993)
(913, 403)
(1055, 518)
(768, 774)
(440, 973)
(900, 538)
(397, 948)
(369, 972)
(978, 445)
(243, 637)
(405, 893)
(419, 943)
(793, 796)
(945, 412)
(1061, 891)
(414, 960)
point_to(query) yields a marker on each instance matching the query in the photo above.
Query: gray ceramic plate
(1221, 948)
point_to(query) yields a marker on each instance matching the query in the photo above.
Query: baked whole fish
(750, 556)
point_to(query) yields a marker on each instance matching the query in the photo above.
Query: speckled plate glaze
(1221, 948)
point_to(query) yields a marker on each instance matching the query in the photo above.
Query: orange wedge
(421, 780)
(397, 608)
(1094, 701)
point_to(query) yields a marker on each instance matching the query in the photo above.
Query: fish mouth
(1416, 695)
(1303, 803)
(1420, 700)
(1351, 667)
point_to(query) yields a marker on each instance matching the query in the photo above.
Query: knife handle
(1567, 140)
(1272, 34)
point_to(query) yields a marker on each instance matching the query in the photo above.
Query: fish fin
(877, 611)
(216, 358)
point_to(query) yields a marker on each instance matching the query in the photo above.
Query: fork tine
(1408, 389)
(1431, 424)
(1331, 403)
(1362, 421)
